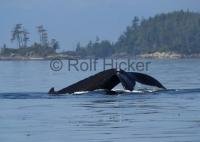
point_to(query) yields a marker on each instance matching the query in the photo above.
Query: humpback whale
(107, 80)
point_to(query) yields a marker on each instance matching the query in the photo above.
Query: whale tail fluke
(107, 80)
(145, 79)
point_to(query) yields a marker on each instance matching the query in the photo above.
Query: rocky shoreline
(50, 57)
(168, 55)
(156, 55)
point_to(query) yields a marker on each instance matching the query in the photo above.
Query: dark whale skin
(107, 80)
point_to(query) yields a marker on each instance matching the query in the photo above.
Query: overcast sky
(71, 21)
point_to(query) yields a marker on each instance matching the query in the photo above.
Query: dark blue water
(29, 114)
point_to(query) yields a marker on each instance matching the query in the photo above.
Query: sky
(73, 21)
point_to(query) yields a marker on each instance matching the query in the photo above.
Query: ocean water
(29, 114)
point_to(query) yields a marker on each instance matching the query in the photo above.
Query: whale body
(107, 80)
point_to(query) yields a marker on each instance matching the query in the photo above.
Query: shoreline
(156, 55)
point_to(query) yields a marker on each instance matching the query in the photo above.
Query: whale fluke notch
(107, 80)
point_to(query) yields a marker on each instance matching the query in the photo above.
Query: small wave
(80, 92)
(27, 95)
(42, 95)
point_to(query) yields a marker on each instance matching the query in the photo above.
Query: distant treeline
(177, 32)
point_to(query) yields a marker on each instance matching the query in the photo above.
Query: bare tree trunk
(19, 41)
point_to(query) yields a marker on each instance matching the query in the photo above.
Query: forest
(174, 32)
(177, 32)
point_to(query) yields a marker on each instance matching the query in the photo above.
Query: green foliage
(20, 35)
(95, 49)
(177, 32)
(36, 50)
